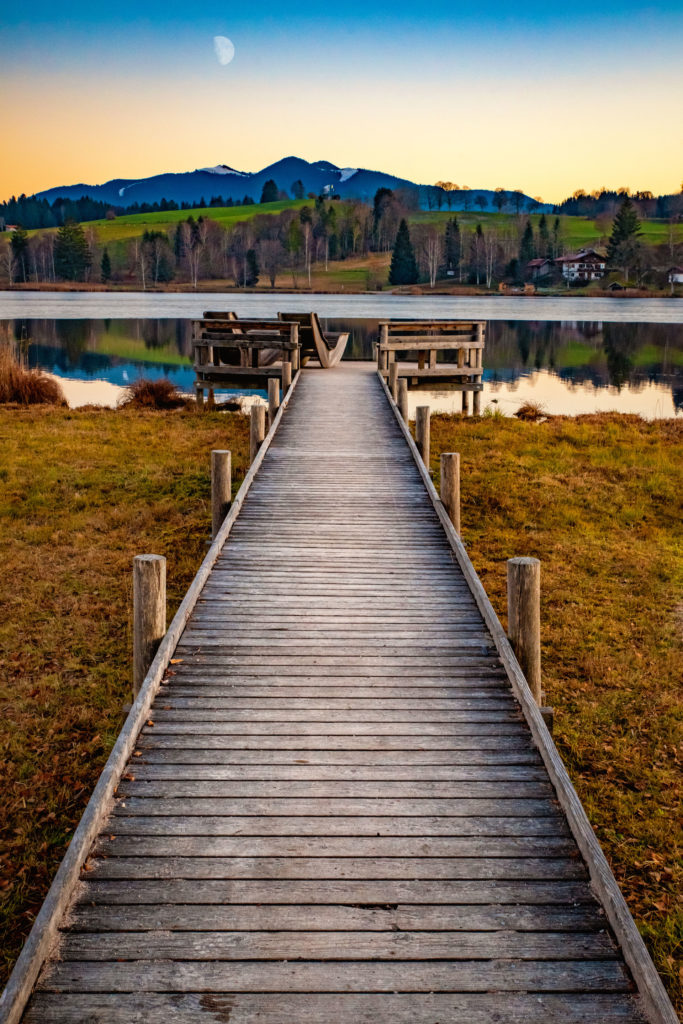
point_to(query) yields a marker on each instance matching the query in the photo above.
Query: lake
(575, 355)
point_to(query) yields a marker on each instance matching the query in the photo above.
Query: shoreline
(469, 292)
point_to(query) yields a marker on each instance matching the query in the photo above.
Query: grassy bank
(598, 500)
(82, 493)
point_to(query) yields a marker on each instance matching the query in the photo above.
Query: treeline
(606, 202)
(29, 212)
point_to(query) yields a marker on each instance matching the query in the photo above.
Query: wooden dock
(343, 805)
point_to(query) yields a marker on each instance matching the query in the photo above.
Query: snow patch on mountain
(126, 187)
(224, 169)
(346, 173)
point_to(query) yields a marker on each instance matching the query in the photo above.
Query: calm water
(568, 365)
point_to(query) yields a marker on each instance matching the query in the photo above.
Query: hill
(223, 180)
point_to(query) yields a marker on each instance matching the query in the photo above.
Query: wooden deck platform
(338, 810)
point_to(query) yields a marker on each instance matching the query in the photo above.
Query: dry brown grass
(22, 386)
(153, 394)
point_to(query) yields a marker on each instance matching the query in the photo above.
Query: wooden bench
(425, 339)
(325, 346)
(227, 349)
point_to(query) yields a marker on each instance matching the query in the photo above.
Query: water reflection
(574, 366)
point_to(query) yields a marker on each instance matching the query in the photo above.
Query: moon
(225, 49)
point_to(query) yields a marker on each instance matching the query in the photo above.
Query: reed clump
(153, 394)
(23, 386)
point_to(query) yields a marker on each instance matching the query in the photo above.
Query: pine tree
(453, 245)
(298, 189)
(545, 250)
(269, 193)
(19, 246)
(624, 249)
(526, 247)
(105, 267)
(252, 270)
(403, 269)
(72, 254)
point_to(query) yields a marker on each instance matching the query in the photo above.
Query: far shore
(455, 291)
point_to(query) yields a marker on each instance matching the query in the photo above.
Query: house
(538, 269)
(585, 265)
(675, 275)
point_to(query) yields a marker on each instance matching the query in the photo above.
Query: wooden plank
(386, 1008)
(334, 846)
(333, 917)
(484, 976)
(222, 946)
(363, 806)
(321, 790)
(354, 892)
(427, 342)
(331, 825)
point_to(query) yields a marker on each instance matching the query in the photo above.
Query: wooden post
(524, 618)
(478, 361)
(450, 487)
(403, 398)
(257, 429)
(273, 399)
(422, 439)
(466, 402)
(149, 613)
(294, 359)
(221, 488)
(393, 379)
(199, 392)
(476, 400)
(382, 357)
(286, 376)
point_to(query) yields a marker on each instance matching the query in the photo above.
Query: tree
(269, 193)
(624, 249)
(453, 248)
(544, 247)
(481, 201)
(19, 246)
(298, 189)
(500, 199)
(72, 255)
(105, 267)
(253, 270)
(526, 247)
(403, 269)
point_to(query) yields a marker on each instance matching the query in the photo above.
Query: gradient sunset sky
(542, 96)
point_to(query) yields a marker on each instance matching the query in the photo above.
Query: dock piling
(286, 376)
(403, 398)
(524, 618)
(149, 613)
(273, 399)
(393, 379)
(257, 430)
(422, 438)
(450, 487)
(221, 488)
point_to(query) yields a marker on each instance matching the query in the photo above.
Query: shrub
(153, 394)
(24, 386)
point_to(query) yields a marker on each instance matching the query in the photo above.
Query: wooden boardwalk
(336, 811)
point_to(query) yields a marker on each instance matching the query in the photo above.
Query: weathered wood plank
(426, 976)
(362, 806)
(333, 917)
(386, 1008)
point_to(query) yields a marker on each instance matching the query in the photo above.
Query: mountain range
(318, 177)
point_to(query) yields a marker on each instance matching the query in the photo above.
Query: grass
(153, 394)
(598, 500)
(22, 386)
(82, 493)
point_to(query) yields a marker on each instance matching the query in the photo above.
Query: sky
(545, 97)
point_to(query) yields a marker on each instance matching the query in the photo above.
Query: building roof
(583, 256)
